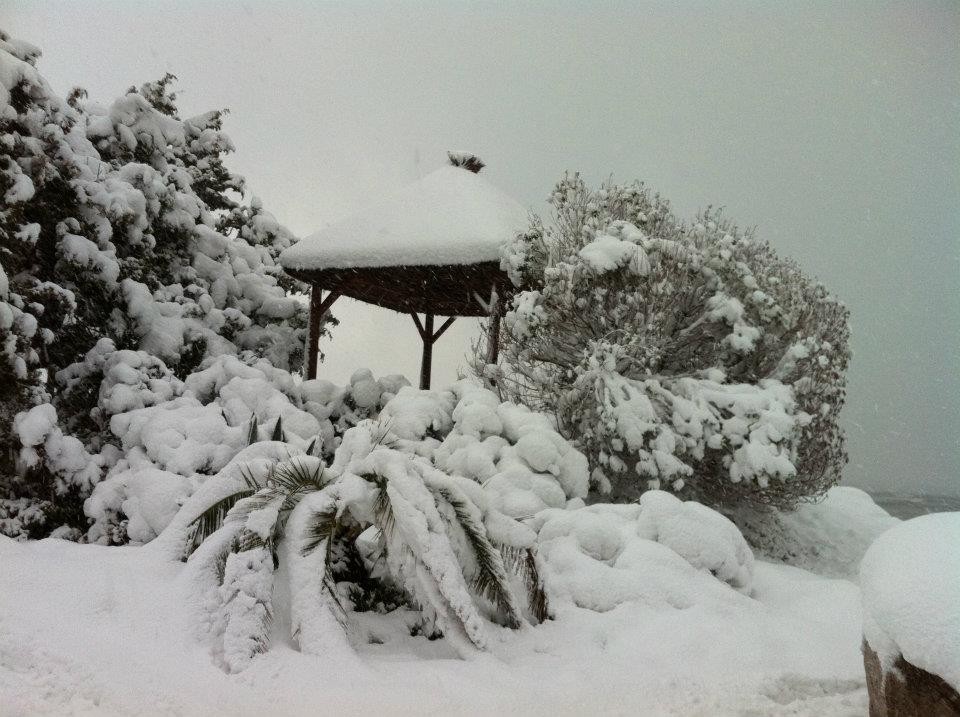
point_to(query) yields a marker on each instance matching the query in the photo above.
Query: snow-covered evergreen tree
(128, 258)
(687, 356)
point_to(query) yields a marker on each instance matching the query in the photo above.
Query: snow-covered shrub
(523, 463)
(687, 357)
(339, 408)
(128, 257)
(136, 504)
(56, 470)
(108, 382)
(661, 552)
(378, 518)
(213, 415)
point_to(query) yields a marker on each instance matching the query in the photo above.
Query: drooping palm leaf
(523, 562)
(294, 478)
(383, 510)
(320, 527)
(490, 579)
(210, 520)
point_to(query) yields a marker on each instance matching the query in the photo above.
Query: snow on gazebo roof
(452, 216)
(433, 248)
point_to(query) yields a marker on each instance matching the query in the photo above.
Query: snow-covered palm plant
(378, 523)
(690, 357)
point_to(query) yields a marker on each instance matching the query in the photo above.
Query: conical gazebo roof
(427, 248)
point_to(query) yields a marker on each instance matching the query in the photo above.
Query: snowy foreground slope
(87, 629)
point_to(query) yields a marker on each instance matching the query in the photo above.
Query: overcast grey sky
(832, 127)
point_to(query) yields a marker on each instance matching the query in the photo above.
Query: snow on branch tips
(684, 356)
(130, 259)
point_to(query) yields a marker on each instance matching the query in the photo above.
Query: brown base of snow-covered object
(906, 690)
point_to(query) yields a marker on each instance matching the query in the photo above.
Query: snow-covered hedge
(215, 414)
(684, 357)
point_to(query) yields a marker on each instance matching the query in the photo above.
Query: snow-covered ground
(88, 629)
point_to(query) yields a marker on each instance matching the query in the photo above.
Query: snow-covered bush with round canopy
(172, 435)
(687, 357)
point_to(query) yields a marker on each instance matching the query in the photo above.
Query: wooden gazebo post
(429, 338)
(318, 307)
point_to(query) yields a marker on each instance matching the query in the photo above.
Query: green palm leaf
(210, 520)
(491, 579)
(523, 562)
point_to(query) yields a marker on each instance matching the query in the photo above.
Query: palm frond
(289, 481)
(321, 526)
(381, 438)
(490, 579)
(294, 475)
(383, 510)
(210, 520)
(523, 562)
(253, 431)
(322, 529)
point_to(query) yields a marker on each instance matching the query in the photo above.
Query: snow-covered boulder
(701, 536)
(910, 582)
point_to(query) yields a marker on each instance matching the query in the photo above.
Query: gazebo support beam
(426, 362)
(318, 307)
(444, 326)
(428, 336)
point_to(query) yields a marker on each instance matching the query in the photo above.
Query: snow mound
(523, 463)
(141, 501)
(450, 216)
(829, 537)
(701, 536)
(910, 578)
(662, 553)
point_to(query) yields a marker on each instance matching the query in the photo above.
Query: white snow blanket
(450, 216)
(92, 630)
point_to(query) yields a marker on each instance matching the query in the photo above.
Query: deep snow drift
(87, 629)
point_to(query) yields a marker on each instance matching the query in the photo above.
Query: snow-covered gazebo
(432, 248)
